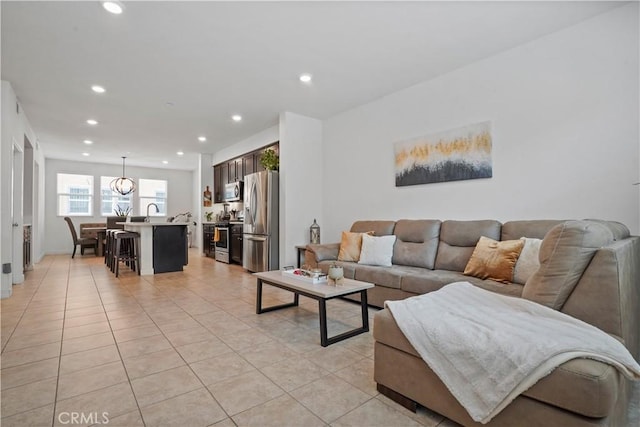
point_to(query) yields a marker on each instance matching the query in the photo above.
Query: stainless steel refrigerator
(260, 230)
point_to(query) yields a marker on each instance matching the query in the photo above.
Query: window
(111, 200)
(75, 195)
(153, 191)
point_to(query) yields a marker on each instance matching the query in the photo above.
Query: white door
(16, 213)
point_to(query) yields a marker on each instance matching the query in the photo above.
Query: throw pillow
(494, 260)
(528, 262)
(350, 246)
(565, 252)
(377, 250)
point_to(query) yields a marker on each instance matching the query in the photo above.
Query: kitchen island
(163, 245)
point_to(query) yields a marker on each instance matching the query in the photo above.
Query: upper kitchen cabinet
(236, 169)
(219, 180)
(249, 163)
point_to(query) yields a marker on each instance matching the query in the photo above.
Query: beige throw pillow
(494, 260)
(528, 262)
(350, 246)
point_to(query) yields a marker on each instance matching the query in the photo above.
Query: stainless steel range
(223, 242)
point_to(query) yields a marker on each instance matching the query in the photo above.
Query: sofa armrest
(324, 252)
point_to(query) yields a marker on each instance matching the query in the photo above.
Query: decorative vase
(335, 273)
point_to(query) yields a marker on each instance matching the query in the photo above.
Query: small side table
(301, 250)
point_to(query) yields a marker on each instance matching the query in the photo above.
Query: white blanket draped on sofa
(488, 348)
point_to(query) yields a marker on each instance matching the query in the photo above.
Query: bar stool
(126, 248)
(109, 247)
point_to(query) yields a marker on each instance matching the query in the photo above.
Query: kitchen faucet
(148, 206)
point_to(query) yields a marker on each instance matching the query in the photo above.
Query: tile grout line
(26, 306)
(173, 348)
(64, 317)
(124, 367)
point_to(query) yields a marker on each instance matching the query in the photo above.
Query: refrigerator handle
(255, 239)
(254, 200)
(248, 216)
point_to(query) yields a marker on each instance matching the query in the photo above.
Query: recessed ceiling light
(202, 138)
(97, 89)
(114, 7)
(236, 117)
(165, 162)
(88, 141)
(180, 153)
(85, 154)
(305, 78)
(92, 122)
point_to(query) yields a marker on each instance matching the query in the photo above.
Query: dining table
(101, 234)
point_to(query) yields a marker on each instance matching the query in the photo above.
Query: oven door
(223, 241)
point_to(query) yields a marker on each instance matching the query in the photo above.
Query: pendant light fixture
(123, 185)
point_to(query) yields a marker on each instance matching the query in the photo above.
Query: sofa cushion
(377, 250)
(388, 277)
(417, 242)
(419, 283)
(458, 240)
(528, 261)
(494, 260)
(564, 254)
(379, 228)
(583, 386)
(536, 228)
(350, 246)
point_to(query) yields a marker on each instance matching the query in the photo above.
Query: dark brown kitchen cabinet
(208, 245)
(235, 170)
(249, 164)
(259, 167)
(218, 184)
(224, 172)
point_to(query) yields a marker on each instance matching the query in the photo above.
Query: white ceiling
(214, 59)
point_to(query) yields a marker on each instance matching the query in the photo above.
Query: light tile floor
(81, 347)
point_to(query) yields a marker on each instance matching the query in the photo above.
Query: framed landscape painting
(452, 155)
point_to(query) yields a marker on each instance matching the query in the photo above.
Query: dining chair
(83, 242)
(112, 220)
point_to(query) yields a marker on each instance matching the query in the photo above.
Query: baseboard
(5, 293)
(18, 278)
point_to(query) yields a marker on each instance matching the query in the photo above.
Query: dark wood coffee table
(320, 292)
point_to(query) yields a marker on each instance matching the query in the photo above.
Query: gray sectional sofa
(599, 262)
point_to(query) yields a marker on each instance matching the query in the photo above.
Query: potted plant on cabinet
(270, 160)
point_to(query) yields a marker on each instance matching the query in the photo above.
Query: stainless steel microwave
(233, 192)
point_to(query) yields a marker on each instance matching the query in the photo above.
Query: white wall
(15, 126)
(300, 182)
(57, 236)
(202, 178)
(564, 112)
